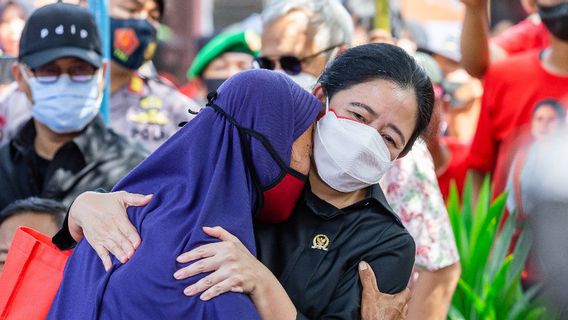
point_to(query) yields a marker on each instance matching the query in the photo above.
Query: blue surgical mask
(66, 106)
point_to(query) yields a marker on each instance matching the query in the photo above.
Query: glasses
(292, 65)
(50, 74)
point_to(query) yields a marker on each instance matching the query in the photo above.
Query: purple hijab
(198, 178)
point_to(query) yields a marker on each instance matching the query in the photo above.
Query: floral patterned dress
(412, 190)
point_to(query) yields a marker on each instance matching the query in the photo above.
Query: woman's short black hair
(386, 62)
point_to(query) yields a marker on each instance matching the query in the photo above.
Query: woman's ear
(320, 95)
(317, 91)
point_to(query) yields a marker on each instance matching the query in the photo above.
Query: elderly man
(299, 37)
(64, 149)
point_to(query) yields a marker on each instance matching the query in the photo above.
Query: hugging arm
(235, 269)
(102, 219)
(376, 305)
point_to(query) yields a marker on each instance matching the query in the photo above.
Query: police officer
(144, 107)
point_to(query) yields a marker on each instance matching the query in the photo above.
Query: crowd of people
(300, 172)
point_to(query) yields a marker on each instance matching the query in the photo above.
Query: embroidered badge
(125, 42)
(320, 242)
(150, 112)
(150, 50)
(151, 102)
(136, 85)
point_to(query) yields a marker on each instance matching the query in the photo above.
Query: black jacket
(97, 158)
(315, 254)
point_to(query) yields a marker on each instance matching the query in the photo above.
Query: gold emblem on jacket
(320, 242)
(150, 112)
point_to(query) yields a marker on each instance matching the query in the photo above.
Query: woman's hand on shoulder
(102, 219)
(376, 305)
(232, 266)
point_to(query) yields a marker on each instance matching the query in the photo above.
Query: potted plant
(490, 283)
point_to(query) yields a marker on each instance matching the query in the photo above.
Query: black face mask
(555, 18)
(213, 84)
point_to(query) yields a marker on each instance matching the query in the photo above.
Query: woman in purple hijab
(207, 174)
(378, 101)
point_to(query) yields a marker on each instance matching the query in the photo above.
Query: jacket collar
(91, 139)
(375, 199)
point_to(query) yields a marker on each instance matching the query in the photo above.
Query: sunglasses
(292, 65)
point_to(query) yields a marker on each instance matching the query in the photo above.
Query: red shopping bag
(31, 276)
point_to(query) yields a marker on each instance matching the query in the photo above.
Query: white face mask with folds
(349, 155)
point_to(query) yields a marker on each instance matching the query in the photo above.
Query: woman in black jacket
(377, 103)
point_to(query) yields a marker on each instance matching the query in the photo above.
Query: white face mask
(349, 155)
(304, 80)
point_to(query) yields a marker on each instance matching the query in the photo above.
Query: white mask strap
(24, 73)
(326, 104)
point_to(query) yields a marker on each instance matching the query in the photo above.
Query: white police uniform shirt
(15, 110)
(149, 110)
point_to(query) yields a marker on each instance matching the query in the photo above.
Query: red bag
(31, 276)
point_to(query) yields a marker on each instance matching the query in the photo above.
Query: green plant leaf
(494, 296)
(467, 209)
(455, 314)
(486, 241)
(522, 307)
(490, 284)
(502, 245)
(456, 221)
(476, 300)
(537, 313)
(520, 256)
(482, 211)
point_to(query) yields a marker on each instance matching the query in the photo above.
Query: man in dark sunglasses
(292, 65)
(300, 36)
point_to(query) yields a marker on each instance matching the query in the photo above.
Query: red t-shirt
(525, 35)
(512, 89)
(457, 168)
